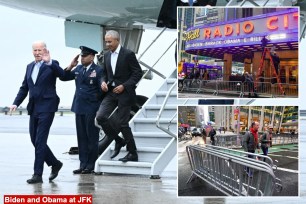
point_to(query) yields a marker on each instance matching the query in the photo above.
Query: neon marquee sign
(242, 28)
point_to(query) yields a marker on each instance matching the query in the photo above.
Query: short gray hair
(114, 34)
(40, 42)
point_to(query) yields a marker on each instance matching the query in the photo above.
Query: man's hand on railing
(12, 108)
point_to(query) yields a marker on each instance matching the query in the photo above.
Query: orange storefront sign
(247, 27)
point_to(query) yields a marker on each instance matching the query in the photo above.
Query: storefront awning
(242, 52)
(242, 37)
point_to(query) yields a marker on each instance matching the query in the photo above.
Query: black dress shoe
(130, 157)
(77, 171)
(117, 149)
(55, 170)
(87, 171)
(35, 179)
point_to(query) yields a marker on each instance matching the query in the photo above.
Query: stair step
(142, 149)
(171, 80)
(158, 106)
(143, 155)
(160, 97)
(153, 120)
(152, 110)
(151, 134)
(118, 167)
(167, 84)
(151, 139)
(152, 142)
(120, 163)
(149, 124)
(164, 93)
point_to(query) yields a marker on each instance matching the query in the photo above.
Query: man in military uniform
(86, 101)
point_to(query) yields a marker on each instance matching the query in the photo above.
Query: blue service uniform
(86, 101)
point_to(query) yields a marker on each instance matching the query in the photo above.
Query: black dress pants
(108, 105)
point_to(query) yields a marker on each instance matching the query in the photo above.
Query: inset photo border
(226, 52)
(238, 151)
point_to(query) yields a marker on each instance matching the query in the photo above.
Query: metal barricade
(283, 139)
(191, 85)
(263, 89)
(260, 157)
(232, 87)
(208, 86)
(290, 90)
(228, 140)
(227, 171)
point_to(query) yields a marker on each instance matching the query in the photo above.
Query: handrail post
(162, 109)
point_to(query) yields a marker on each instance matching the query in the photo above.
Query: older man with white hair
(40, 83)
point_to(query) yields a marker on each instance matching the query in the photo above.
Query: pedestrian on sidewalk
(266, 141)
(250, 143)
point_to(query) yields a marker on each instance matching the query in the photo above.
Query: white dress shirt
(114, 58)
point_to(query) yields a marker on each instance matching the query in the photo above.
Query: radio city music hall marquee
(279, 26)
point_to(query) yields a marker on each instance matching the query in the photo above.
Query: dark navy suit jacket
(88, 92)
(42, 94)
(128, 72)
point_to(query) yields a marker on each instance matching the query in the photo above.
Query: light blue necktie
(190, 2)
(35, 71)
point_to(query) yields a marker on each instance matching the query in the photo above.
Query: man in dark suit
(40, 83)
(86, 101)
(121, 73)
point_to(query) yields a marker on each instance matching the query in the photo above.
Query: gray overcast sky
(19, 30)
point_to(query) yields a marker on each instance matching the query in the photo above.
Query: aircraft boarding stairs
(155, 147)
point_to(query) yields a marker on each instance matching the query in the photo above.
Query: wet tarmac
(16, 161)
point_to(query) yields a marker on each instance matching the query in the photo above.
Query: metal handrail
(151, 68)
(164, 52)
(250, 1)
(167, 130)
(153, 41)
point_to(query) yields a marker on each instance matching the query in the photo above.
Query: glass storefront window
(293, 73)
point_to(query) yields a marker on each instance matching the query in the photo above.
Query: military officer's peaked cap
(87, 51)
